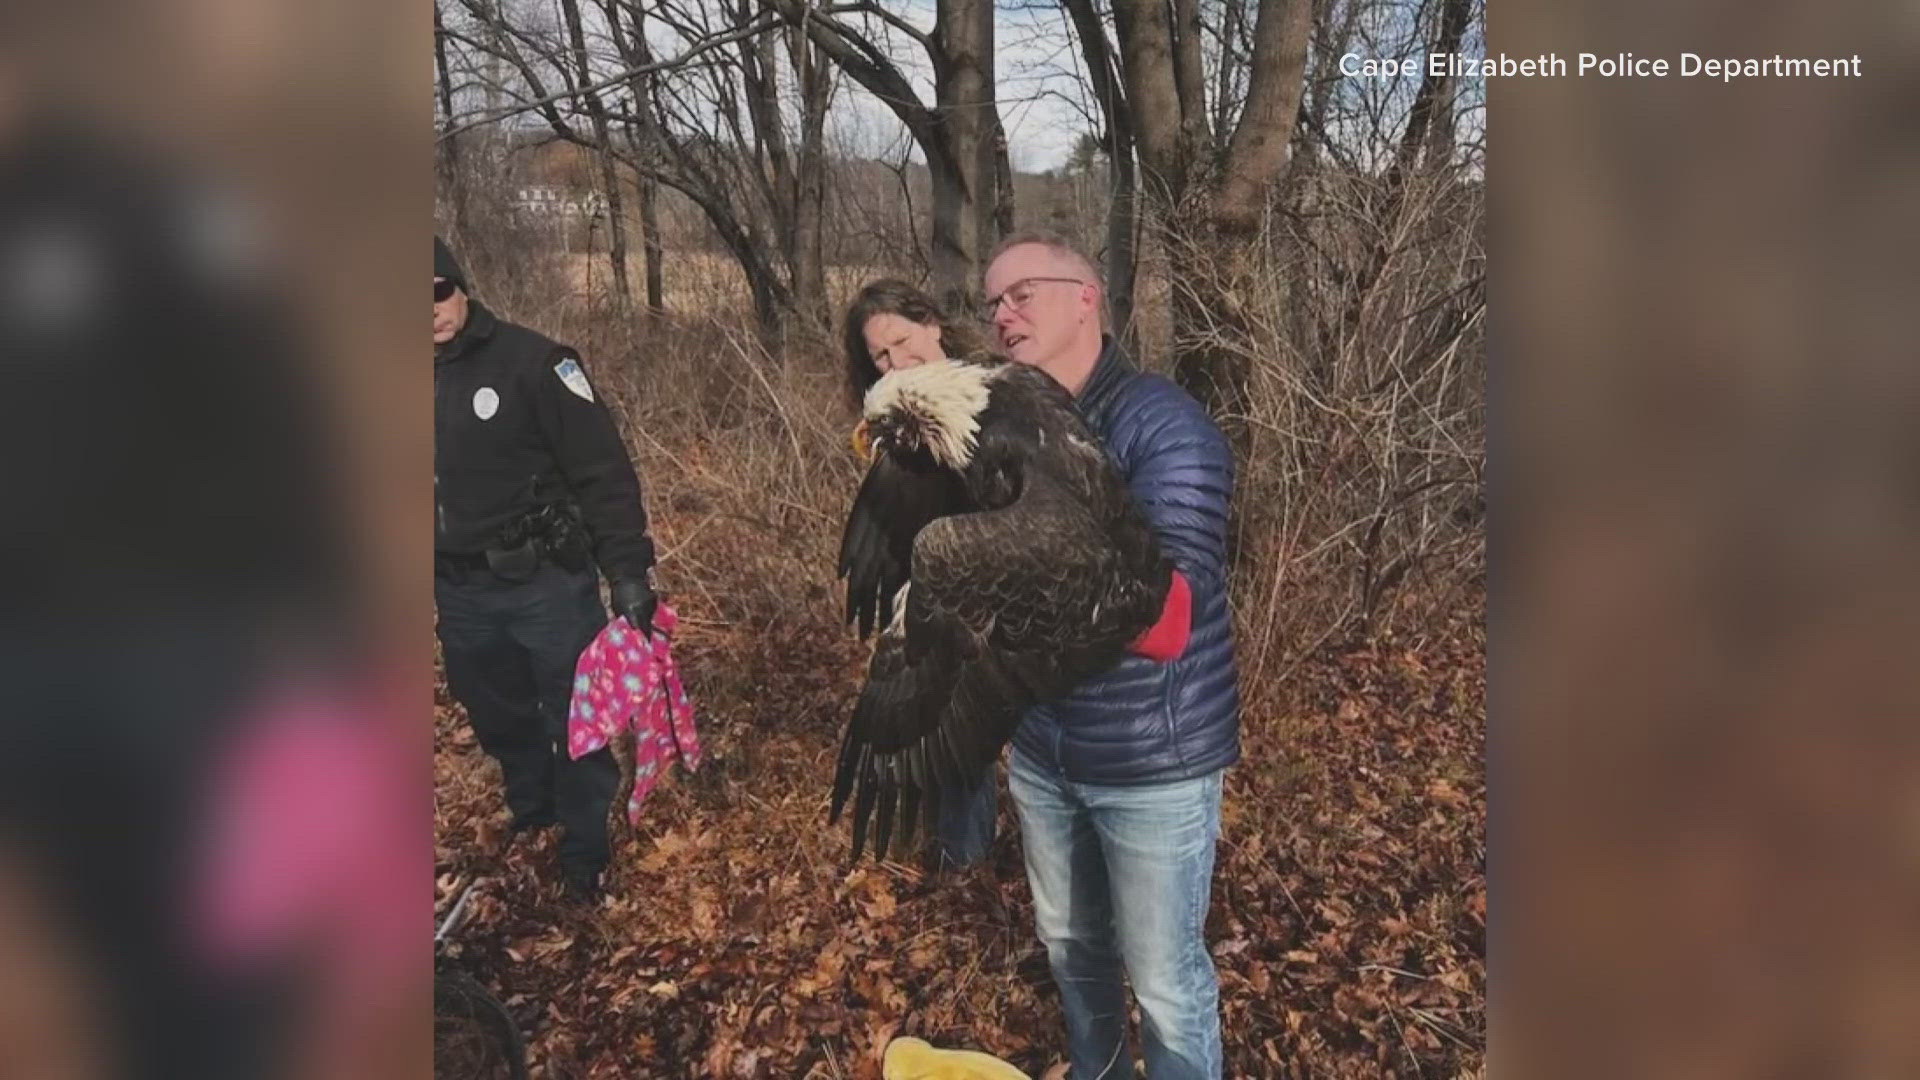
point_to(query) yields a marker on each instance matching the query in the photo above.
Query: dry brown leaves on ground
(1348, 920)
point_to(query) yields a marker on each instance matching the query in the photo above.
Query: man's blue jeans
(963, 830)
(1120, 880)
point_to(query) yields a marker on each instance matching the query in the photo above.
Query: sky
(1041, 94)
(1036, 66)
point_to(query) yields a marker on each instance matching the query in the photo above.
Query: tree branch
(887, 17)
(631, 73)
(870, 68)
(1258, 153)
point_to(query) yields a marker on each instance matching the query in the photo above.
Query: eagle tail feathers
(883, 808)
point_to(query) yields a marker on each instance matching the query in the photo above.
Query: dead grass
(694, 284)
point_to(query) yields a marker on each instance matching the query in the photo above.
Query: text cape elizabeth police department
(1624, 65)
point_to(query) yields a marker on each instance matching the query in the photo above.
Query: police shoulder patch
(575, 377)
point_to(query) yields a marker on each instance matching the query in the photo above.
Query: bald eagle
(999, 552)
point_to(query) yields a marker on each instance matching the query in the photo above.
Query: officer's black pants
(510, 648)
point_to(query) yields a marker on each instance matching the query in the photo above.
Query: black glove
(634, 599)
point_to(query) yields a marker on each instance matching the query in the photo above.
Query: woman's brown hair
(892, 296)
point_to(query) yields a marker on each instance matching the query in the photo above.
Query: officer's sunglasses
(443, 290)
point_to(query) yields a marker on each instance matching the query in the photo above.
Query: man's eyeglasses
(1019, 294)
(443, 290)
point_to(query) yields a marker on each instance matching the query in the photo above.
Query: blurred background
(1705, 785)
(214, 833)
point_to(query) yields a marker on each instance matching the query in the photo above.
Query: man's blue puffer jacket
(1144, 722)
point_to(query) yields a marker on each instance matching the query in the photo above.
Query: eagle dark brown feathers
(1027, 568)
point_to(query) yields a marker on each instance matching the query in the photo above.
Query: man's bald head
(1045, 301)
(1063, 259)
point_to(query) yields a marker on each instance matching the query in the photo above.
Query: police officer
(532, 489)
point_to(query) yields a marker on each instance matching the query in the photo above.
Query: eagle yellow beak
(862, 442)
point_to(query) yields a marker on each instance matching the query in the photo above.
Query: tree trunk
(1146, 68)
(997, 216)
(963, 96)
(1257, 154)
(773, 171)
(1189, 78)
(1233, 18)
(772, 299)
(1426, 102)
(651, 247)
(954, 134)
(609, 182)
(1123, 232)
(449, 149)
(815, 81)
(1334, 43)
(1430, 121)
(1208, 215)
(616, 232)
(635, 52)
(1117, 142)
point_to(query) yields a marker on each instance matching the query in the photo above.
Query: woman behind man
(893, 325)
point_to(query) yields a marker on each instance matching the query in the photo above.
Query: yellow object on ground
(915, 1059)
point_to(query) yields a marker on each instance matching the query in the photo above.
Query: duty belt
(514, 562)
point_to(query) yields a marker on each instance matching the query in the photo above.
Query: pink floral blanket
(624, 680)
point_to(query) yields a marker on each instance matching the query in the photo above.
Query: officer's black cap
(445, 266)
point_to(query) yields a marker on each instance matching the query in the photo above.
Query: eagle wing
(1004, 610)
(896, 501)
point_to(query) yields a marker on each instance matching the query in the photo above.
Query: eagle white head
(933, 407)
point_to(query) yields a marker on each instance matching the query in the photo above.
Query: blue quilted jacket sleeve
(1180, 471)
(1144, 722)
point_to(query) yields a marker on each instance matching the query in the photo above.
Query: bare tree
(1210, 188)
(1430, 124)
(1116, 140)
(716, 131)
(448, 156)
(609, 183)
(1314, 243)
(1429, 129)
(806, 202)
(631, 40)
(736, 122)
(960, 133)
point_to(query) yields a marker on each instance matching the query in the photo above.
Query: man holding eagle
(1042, 546)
